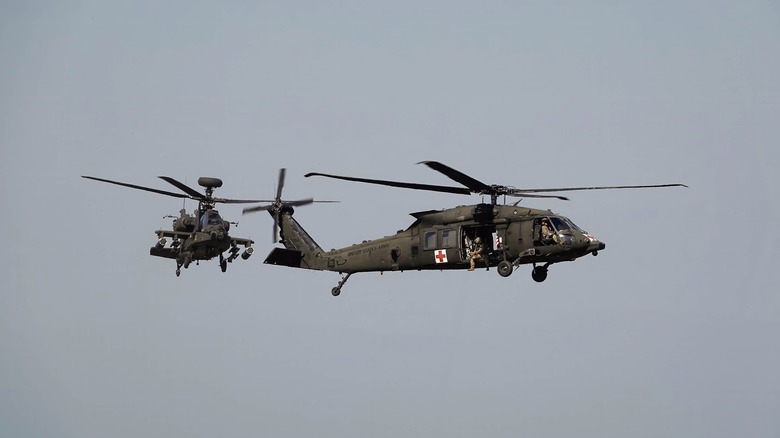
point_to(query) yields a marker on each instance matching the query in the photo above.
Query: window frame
(426, 235)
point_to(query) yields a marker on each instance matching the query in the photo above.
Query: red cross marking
(441, 256)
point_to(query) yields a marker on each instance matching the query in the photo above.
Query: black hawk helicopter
(504, 236)
(200, 236)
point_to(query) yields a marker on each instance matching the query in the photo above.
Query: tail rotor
(278, 205)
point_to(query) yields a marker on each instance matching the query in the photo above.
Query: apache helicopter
(511, 235)
(201, 236)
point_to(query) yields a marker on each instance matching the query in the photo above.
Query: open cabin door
(487, 234)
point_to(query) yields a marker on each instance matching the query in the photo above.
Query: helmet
(478, 240)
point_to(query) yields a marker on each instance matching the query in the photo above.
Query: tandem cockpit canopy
(210, 217)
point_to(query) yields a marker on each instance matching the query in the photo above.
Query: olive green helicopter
(484, 234)
(200, 236)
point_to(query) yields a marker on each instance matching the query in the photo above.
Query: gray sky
(672, 331)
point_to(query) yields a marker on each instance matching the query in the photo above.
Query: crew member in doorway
(476, 252)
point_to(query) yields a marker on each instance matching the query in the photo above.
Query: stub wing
(241, 241)
(174, 234)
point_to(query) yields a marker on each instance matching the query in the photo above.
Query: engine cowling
(185, 224)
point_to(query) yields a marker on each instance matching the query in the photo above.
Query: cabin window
(448, 238)
(429, 239)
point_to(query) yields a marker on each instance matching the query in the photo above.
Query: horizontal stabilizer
(284, 257)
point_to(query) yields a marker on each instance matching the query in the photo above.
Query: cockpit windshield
(573, 226)
(214, 218)
(560, 224)
(210, 218)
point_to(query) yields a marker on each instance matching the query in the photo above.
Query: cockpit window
(214, 218)
(210, 218)
(559, 224)
(573, 226)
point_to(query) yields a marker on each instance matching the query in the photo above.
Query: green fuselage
(442, 240)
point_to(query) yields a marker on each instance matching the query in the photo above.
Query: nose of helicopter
(595, 245)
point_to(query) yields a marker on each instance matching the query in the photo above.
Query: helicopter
(200, 236)
(509, 235)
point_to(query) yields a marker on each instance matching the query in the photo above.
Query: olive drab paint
(202, 235)
(510, 235)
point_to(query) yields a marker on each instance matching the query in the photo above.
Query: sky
(669, 332)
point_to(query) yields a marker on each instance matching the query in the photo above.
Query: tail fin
(300, 250)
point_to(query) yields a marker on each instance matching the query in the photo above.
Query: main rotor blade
(457, 176)
(133, 186)
(572, 189)
(282, 173)
(403, 185)
(532, 195)
(240, 201)
(188, 190)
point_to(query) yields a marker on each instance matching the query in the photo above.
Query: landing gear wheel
(504, 268)
(539, 274)
(178, 272)
(223, 265)
(337, 290)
